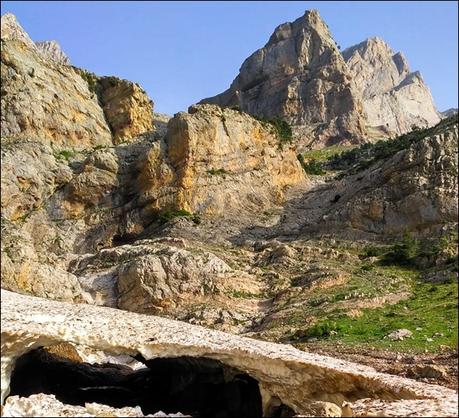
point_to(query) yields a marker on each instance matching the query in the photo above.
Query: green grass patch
(430, 314)
(314, 161)
(64, 154)
(312, 167)
(325, 154)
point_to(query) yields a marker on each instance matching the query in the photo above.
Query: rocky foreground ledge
(300, 382)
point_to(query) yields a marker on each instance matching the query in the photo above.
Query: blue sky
(181, 52)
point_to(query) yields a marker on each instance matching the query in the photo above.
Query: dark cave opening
(196, 386)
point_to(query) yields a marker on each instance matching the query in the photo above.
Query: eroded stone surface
(215, 161)
(300, 76)
(52, 50)
(288, 374)
(394, 99)
(42, 405)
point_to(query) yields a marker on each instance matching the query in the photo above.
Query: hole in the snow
(195, 386)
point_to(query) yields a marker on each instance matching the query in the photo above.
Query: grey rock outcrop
(52, 50)
(449, 112)
(414, 190)
(301, 77)
(394, 99)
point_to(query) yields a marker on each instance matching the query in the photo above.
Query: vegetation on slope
(381, 293)
(351, 160)
(361, 157)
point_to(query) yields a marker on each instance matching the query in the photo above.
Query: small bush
(282, 128)
(64, 154)
(219, 171)
(169, 214)
(91, 79)
(312, 166)
(320, 330)
(372, 251)
(403, 253)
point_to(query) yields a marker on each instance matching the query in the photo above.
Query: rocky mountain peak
(394, 98)
(52, 50)
(301, 77)
(11, 29)
(310, 21)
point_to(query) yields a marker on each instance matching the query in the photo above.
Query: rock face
(64, 106)
(219, 157)
(283, 375)
(41, 99)
(127, 108)
(52, 50)
(394, 99)
(11, 29)
(414, 190)
(448, 113)
(301, 77)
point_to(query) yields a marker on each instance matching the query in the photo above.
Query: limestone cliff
(41, 99)
(220, 157)
(394, 99)
(300, 76)
(62, 105)
(127, 108)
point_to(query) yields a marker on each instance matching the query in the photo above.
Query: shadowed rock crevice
(200, 387)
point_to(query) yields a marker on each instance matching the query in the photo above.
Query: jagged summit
(311, 20)
(301, 77)
(11, 29)
(53, 51)
(394, 98)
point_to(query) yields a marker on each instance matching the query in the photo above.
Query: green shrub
(281, 127)
(169, 214)
(64, 154)
(91, 79)
(219, 171)
(372, 251)
(403, 253)
(320, 330)
(312, 166)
